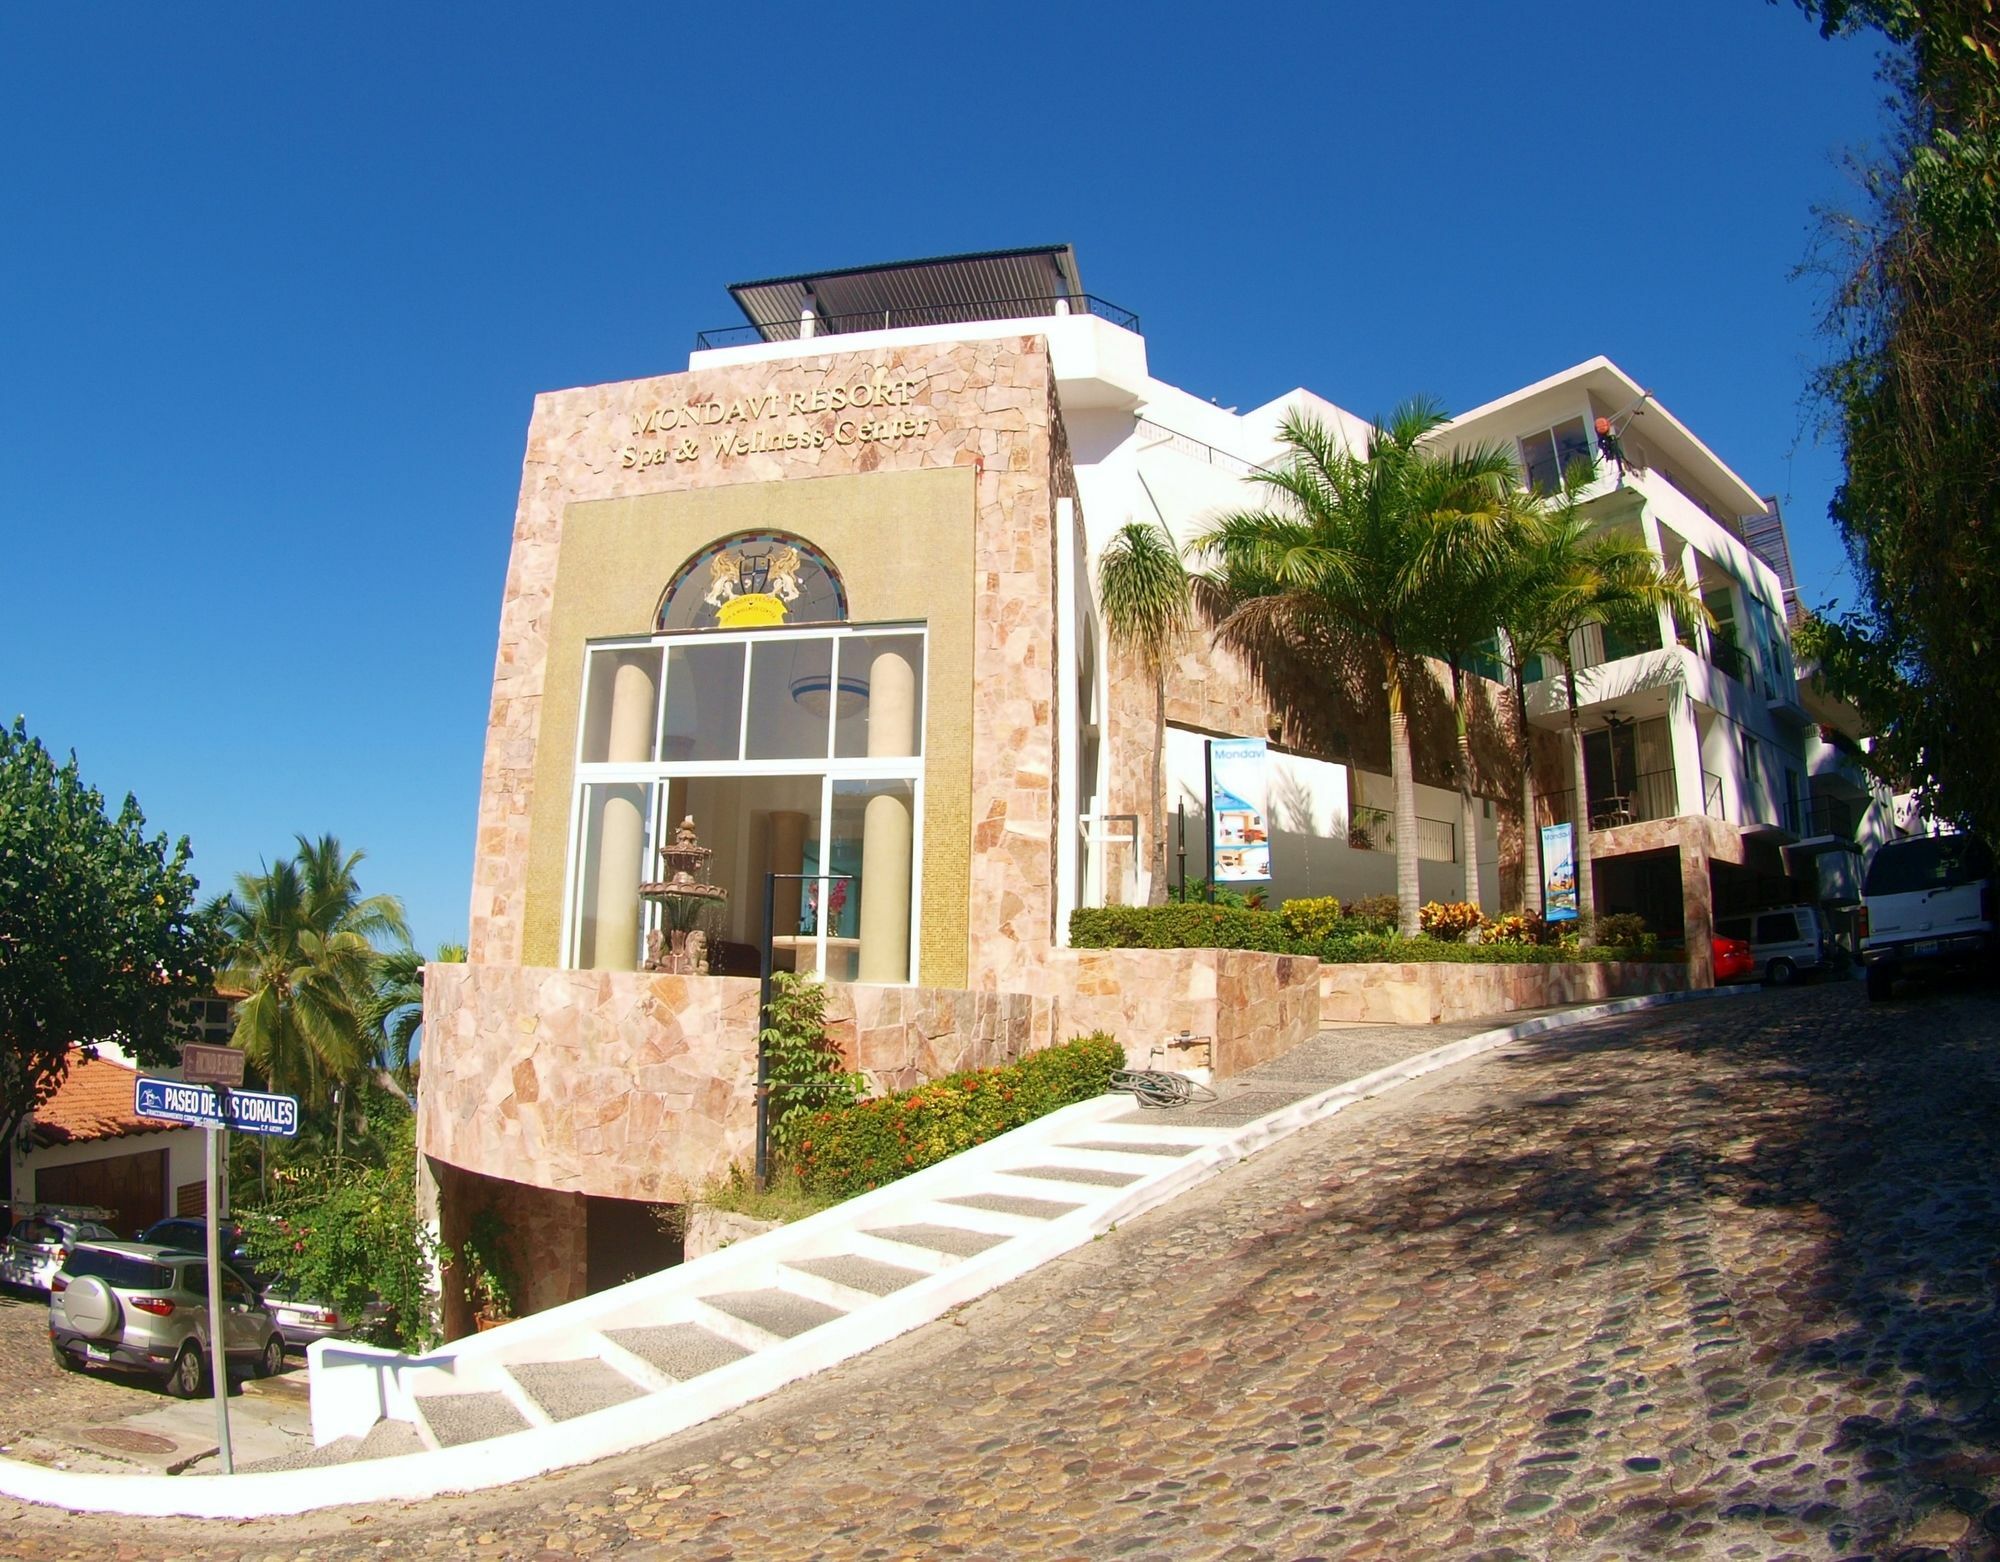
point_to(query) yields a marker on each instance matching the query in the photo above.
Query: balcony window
(1546, 455)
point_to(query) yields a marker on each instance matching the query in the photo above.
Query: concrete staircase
(679, 1346)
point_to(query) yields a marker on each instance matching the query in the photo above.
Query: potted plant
(490, 1285)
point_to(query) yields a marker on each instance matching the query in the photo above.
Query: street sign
(202, 1064)
(248, 1111)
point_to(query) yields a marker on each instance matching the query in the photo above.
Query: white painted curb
(635, 1423)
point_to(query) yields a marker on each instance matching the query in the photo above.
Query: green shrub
(1252, 899)
(1310, 920)
(1194, 925)
(1511, 939)
(848, 1150)
(1382, 911)
(1624, 930)
(1449, 920)
(804, 1068)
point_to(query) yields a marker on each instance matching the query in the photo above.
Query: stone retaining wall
(1433, 994)
(1253, 1007)
(633, 1086)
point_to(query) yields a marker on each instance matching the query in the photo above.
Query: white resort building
(828, 592)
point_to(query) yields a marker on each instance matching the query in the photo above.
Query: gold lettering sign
(777, 419)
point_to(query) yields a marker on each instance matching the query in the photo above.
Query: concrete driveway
(127, 1421)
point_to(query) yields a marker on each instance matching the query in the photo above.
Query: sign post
(208, 1099)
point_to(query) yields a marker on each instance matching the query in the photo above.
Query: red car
(1733, 960)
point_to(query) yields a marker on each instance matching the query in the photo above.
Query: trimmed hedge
(1354, 940)
(852, 1149)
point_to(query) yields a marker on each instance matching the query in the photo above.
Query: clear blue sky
(278, 283)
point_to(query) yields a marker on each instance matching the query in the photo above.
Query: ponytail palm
(1142, 596)
(1356, 546)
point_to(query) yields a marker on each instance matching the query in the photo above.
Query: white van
(1926, 903)
(1785, 941)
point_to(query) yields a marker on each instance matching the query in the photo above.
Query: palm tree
(1142, 595)
(1355, 545)
(395, 1010)
(1571, 578)
(301, 948)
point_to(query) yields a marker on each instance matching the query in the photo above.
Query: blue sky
(280, 283)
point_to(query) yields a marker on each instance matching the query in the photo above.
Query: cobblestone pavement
(1710, 1281)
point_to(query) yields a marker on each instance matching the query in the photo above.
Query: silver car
(37, 1246)
(135, 1304)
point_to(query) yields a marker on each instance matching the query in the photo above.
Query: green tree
(300, 947)
(1570, 577)
(1353, 545)
(395, 1010)
(1142, 596)
(1913, 386)
(100, 935)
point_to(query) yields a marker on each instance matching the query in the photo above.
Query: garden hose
(1156, 1088)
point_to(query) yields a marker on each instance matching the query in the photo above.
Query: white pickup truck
(1926, 903)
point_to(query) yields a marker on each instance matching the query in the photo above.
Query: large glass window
(1549, 453)
(795, 752)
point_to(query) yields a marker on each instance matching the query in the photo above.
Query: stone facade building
(828, 595)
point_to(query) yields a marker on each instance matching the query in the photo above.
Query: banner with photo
(1238, 792)
(1559, 872)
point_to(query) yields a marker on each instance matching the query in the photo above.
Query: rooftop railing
(966, 312)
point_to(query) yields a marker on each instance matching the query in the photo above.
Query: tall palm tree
(1142, 596)
(302, 947)
(1574, 577)
(1354, 544)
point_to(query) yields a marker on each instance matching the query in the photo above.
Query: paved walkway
(1712, 1281)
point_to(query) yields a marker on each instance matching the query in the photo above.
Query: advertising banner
(1237, 791)
(1558, 872)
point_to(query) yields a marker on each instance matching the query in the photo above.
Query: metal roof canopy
(951, 288)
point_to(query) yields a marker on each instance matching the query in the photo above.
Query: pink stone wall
(1253, 1006)
(993, 408)
(1427, 994)
(626, 1085)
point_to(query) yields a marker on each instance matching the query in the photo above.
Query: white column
(788, 855)
(886, 826)
(1069, 725)
(1685, 738)
(621, 823)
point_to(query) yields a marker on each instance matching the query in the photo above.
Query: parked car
(1784, 941)
(302, 1320)
(1733, 960)
(189, 1234)
(37, 1246)
(1926, 904)
(137, 1304)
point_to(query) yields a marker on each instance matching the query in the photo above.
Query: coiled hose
(1156, 1088)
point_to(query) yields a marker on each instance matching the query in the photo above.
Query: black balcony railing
(966, 312)
(1728, 659)
(1374, 830)
(1826, 816)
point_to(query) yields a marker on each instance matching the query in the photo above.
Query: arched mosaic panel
(753, 580)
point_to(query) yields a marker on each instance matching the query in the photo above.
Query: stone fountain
(680, 948)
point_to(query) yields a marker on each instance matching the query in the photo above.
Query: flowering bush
(1311, 920)
(1526, 927)
(848, 1150)
(1449, 920)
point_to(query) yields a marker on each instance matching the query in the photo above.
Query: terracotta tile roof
(93, 1102)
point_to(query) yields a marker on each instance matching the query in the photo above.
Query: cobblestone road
(1715, 1281)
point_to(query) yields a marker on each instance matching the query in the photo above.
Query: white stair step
(782, 1314)
(470, 1418)
(680, 1351)
(940, 1245)
(856, 1274)
(567, 1389)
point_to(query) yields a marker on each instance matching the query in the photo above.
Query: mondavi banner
(1237, 789)
(1558, 872)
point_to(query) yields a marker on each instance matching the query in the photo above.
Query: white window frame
(656, 774)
